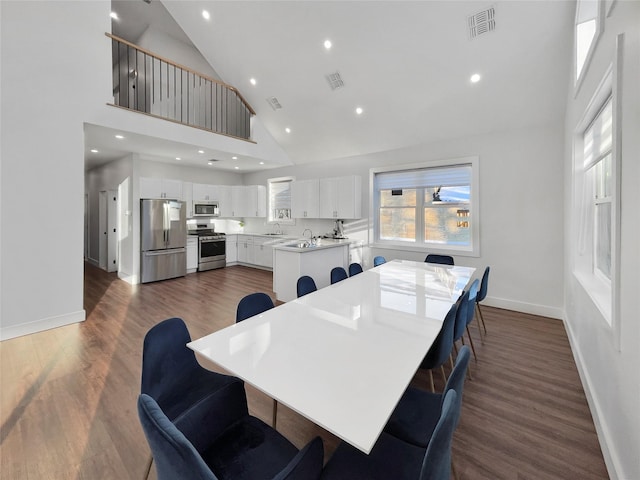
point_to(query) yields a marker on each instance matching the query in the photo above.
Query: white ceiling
(406, 63)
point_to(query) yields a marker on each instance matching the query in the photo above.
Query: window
(596, 204)
(427, 207)
(587, 31)
(280, 200)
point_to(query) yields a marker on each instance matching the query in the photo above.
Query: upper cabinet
(203, 192)
(160, 188)
(341, 197)
(249, 201)
(305, 199)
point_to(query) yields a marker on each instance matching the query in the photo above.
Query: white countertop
(342, 356)
(320, 244)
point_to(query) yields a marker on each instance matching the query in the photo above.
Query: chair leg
(444, 376)
(473, 349)
(479, 327)
(453, 469)
(481, 317)
(275, 413)
(433, 388)
(148, 469)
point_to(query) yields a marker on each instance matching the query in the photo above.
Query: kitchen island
(295, 259)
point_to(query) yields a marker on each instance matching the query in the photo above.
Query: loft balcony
(148, 83)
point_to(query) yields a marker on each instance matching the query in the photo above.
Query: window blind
(455, 175)
(598, 137)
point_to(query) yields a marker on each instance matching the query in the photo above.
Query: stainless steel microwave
(205, 209)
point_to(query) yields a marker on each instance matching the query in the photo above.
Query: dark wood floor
(68, 396)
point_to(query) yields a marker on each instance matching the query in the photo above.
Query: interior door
(112, 230)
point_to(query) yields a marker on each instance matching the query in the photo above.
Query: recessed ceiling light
(475, 78)
(119, 137)
(200, 151)
(359, 111)
(288, 130)
(206, 15)
(234, 158)
(114, 15)
(93, 150)
(209, 163)
(178, 158)
(237, 168)
(261, 163)
(327, 44)
(252, 81)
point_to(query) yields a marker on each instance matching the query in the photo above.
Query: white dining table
(343, 356)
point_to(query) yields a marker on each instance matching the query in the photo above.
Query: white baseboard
(610, 459)
(129, 278)
(532, 308)
(39, 325)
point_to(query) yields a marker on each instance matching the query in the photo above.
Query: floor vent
(274, 103)
(334, 80)
(481, 23)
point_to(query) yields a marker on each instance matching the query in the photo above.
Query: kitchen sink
(301, 245)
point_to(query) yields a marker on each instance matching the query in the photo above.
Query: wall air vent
(334, 80)
(481, 23)
(274, 103)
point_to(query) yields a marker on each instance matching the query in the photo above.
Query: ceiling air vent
(274, 103)
(481, 23)
(334, 80)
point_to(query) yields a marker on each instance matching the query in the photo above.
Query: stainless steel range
(211, 247)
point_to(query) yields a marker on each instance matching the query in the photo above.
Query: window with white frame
(279, 191)
(428, 207)
(596, 199)
(587, 32)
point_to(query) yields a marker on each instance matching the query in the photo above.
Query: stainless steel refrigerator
(163, 240)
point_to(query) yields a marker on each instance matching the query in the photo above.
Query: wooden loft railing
(148, 83)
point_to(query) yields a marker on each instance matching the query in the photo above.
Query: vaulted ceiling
(407, 64)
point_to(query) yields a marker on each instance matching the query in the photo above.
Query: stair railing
(148, 83)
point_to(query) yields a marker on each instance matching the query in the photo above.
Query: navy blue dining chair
(417, 413)
(378, 260)
(392, 458)
(482, 293)
(441, 259)
(253, 304)
(441, 348)
(338, 274)
(172, 375)
(355, 269)
(305, 285)
(222, 441)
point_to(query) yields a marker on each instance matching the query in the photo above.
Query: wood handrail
(170, 62)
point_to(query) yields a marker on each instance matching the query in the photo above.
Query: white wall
(168, 47)
(611, 377)
(521, 217)
(55, 70)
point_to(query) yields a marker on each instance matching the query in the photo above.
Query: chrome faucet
(311, 241)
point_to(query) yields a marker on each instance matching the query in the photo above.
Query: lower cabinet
(245, 249)
(192, 255)
(232, 248)
(263, 252)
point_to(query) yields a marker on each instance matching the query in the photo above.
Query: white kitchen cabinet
(223, 197)
(246, 253)
(305, 198)
(231, 248)
(248, 201)
(341, 197)
(187, 197)
(160, 188)
(263, 252)
(192, 253)
(204, 192)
